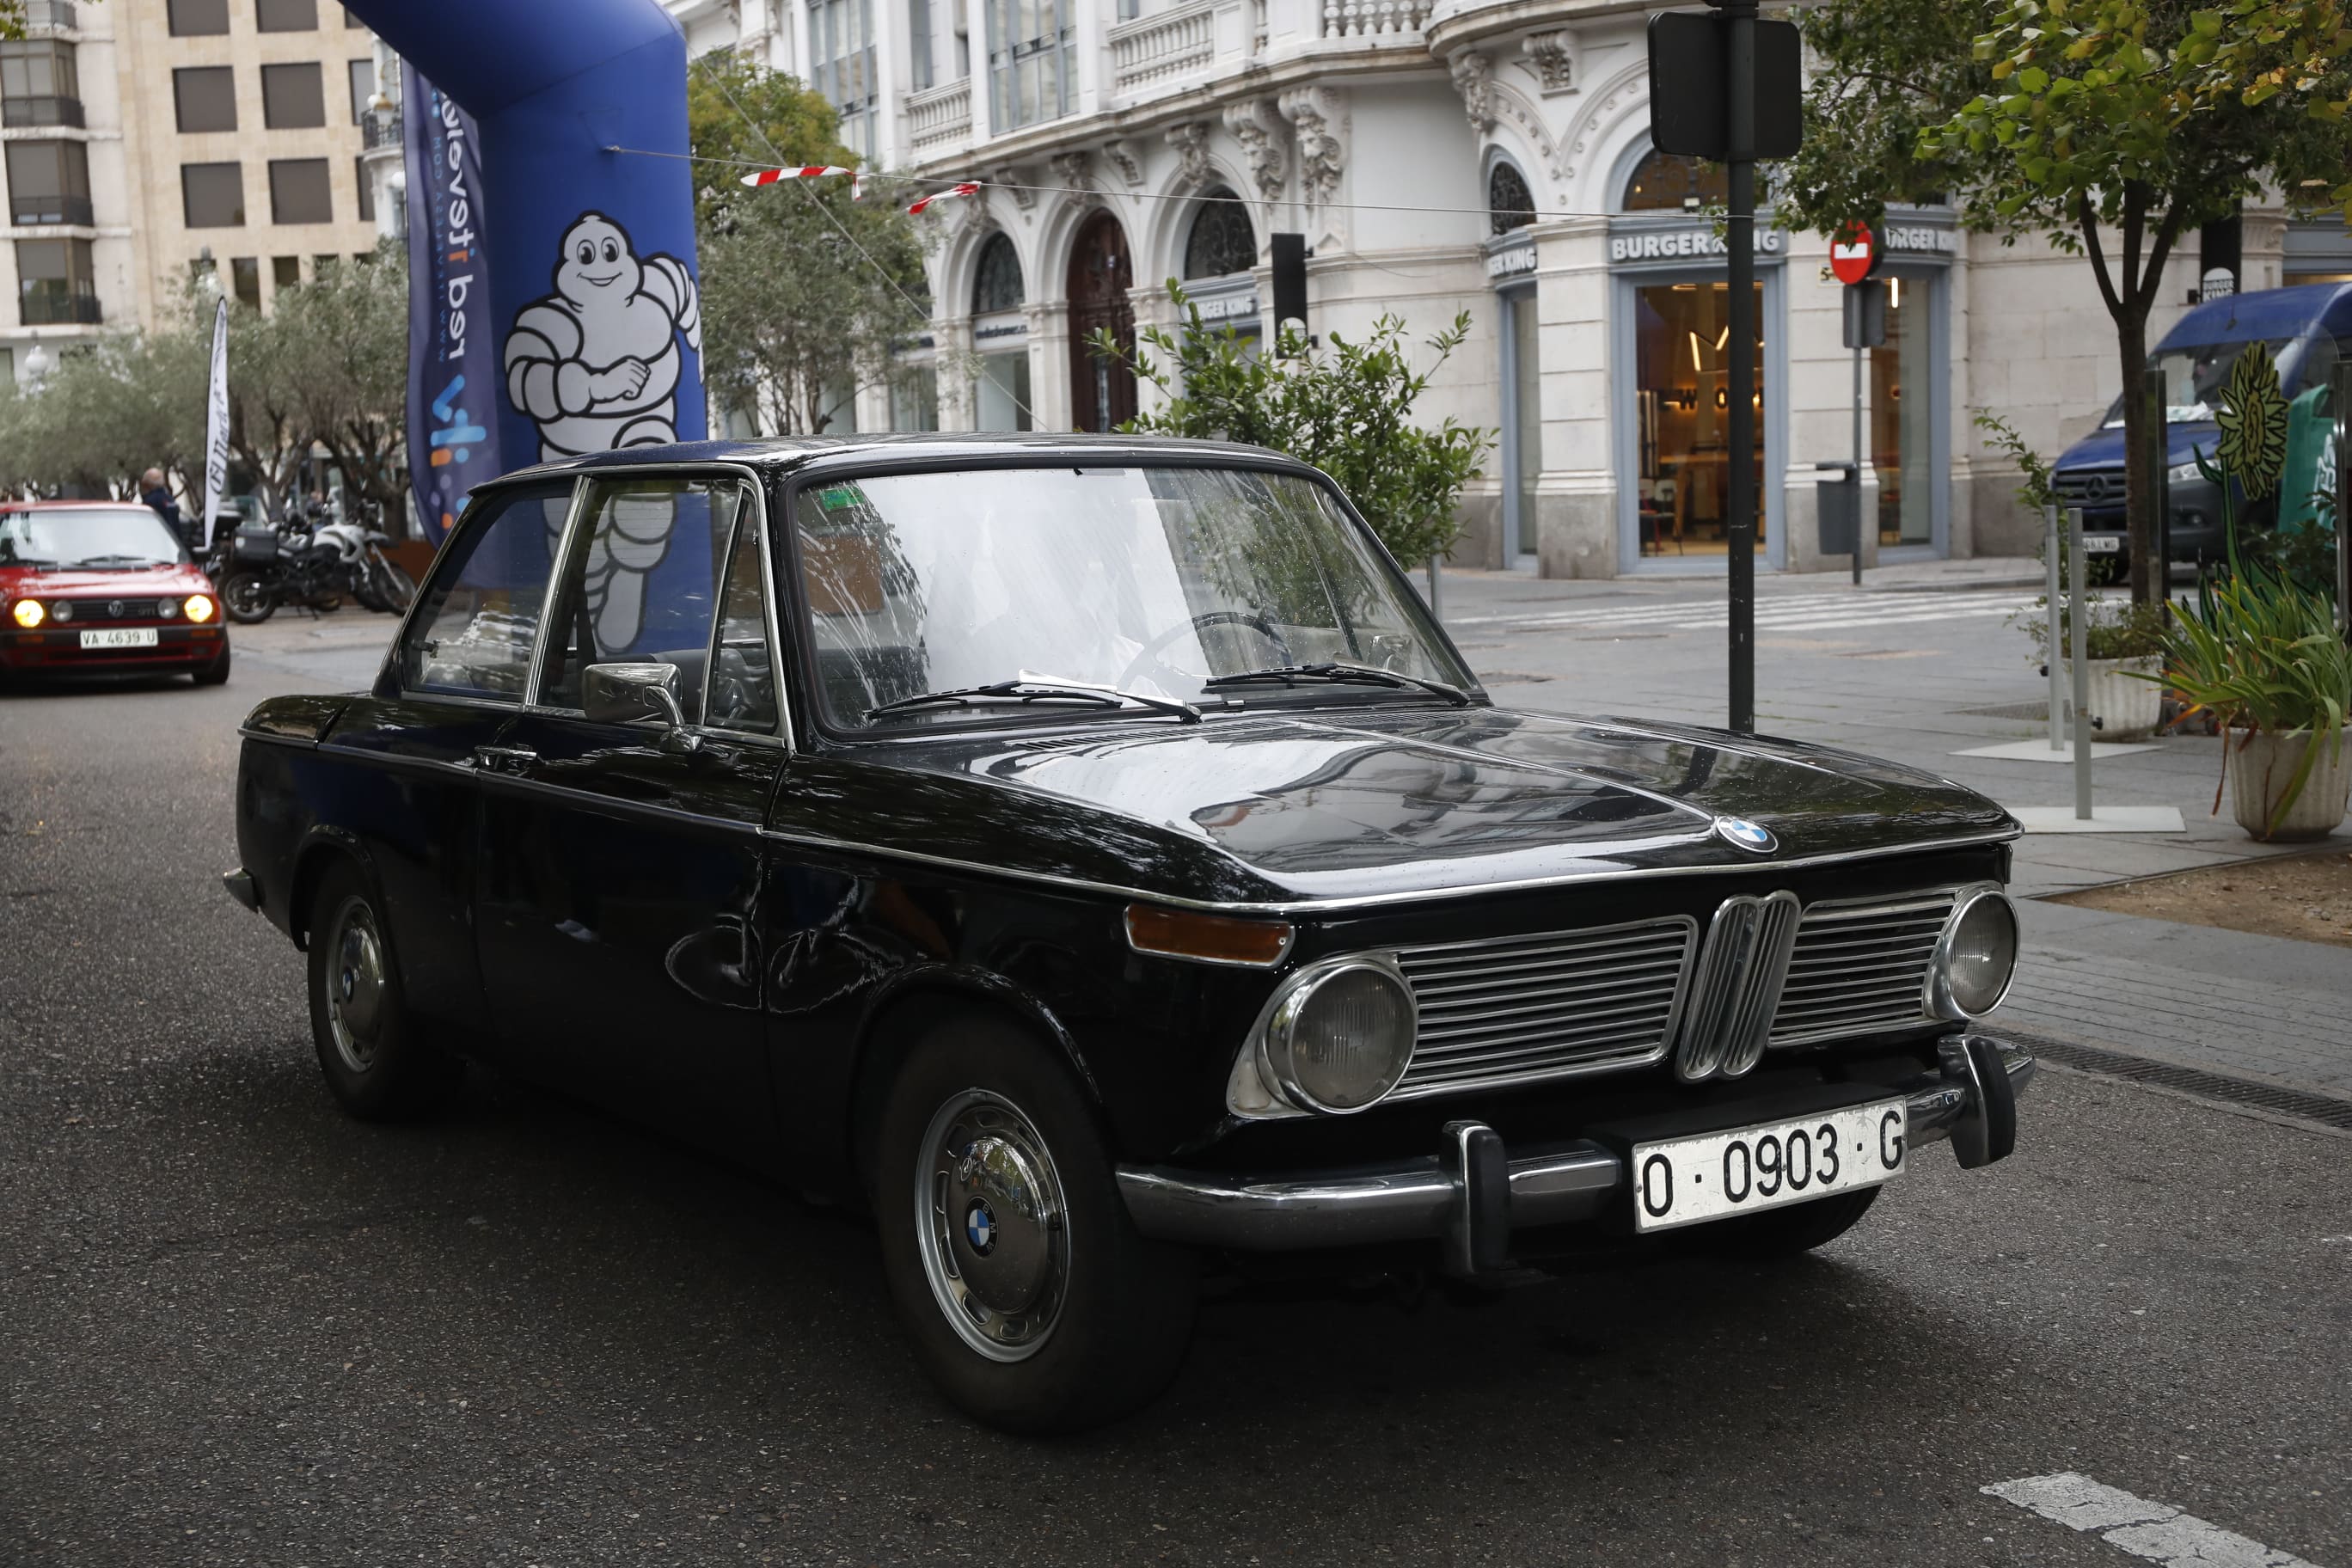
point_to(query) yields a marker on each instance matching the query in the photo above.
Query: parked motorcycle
(311, 562)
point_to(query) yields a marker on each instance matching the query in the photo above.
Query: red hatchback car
(91, 586)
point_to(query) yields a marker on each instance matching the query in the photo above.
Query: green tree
(341, 348)
(2085, 120)
(806, 293)
(1347, 409)
(108, 412)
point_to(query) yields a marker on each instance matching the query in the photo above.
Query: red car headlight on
(28, 613)
(199, 607)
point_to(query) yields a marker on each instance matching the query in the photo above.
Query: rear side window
(473, 635)
(642, 584)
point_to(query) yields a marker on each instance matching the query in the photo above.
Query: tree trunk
(2148, 575)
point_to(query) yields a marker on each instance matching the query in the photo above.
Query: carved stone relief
(1319, 116)
(1123, 159)
(1191, 140)
(1256, 126)
(1554, 56)
(1473, 79)
(1074, 169)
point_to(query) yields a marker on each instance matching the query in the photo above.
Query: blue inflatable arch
(555, 298)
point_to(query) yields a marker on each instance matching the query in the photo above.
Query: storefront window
(996, 281)
(1003, 392)
(1682, 398)
(1902, 405)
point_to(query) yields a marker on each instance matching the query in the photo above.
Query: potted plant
(2262, 652)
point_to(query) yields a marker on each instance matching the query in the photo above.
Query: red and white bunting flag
(807, 172)
(969, 188)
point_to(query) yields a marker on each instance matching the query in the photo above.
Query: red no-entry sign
(1852, 251)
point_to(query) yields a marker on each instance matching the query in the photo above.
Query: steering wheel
(1148, 660)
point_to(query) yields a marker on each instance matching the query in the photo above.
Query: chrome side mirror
(625, 693)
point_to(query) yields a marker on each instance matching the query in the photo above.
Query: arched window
(1510, 204)
(997, 284)
(1221, 240)
(1669, 182)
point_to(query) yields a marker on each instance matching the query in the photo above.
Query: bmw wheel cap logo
(1746, 835)
(979, 1228)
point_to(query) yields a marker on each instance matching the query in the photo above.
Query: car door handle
(514, 759)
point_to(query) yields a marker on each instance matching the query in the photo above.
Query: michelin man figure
(597, 365)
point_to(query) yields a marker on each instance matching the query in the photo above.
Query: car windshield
(1162, 584)
(2194, 374)
(87, 536)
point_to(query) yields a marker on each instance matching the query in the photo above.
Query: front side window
(841, 50)
(1151, 580)
(642, 583)
(743, 679)
(472, 636)
(1032, 61)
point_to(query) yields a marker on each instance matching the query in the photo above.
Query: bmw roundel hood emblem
(1746, 835)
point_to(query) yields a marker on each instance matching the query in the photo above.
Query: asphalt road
(236, 1328)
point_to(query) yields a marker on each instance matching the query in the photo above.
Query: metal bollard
(2051, 550)
(2078, 639)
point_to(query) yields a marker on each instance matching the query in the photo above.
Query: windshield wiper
(1356, 674)
(1029, 689)
(120, 561)
(41, 562)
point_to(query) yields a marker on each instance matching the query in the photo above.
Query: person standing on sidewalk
(156, 494)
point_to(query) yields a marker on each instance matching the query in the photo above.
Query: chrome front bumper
(1473, 1193)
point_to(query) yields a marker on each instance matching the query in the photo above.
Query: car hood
(2104, 449)
(32, 583)
(1345, 804)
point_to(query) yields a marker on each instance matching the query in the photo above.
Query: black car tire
(1785, 1232)
(215, 673)
(248, 598)
(1110, 1315)
(378, 1064)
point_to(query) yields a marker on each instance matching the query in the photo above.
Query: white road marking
(1803, 612)
(2154, 1531)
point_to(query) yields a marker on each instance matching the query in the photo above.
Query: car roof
(784, 454)
(2264, 313)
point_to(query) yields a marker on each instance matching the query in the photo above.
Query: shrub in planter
(2124, 643)
(2262, 655)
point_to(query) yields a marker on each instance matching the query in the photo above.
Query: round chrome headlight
(1340, 1035)
(1977, 957)
(168, 609)
(62, 611)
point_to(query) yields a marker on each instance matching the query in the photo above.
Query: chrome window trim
(1936, 1000)
(392, 672)
(1298, 908)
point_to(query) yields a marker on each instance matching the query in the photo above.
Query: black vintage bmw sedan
(1090, 855)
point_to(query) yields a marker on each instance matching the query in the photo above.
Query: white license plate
(2103, 544)
(121, 637)
(1715, 1174)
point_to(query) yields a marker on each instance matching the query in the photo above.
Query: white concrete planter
(2128, 705)
(2262, 768)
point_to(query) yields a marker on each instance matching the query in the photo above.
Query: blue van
(2308, 329)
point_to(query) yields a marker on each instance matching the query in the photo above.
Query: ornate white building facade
(1490, 156)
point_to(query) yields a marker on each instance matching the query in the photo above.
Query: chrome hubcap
(991, 1225)
(355, 986)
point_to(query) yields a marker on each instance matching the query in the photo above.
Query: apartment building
(67, 263)
(1491, 156)
(148, 139)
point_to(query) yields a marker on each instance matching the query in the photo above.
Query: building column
(1577, 496)
(1049, 364)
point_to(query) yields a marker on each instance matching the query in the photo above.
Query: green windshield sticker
(840, 498)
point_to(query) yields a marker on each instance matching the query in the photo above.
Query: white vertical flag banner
(216, 427)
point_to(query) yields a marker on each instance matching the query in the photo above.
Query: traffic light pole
(1739, 134)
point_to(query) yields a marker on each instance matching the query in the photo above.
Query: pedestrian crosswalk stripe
(2155, 1531)
(1810, 612)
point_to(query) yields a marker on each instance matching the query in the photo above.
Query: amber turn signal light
(1206, 939)
(199, 608)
